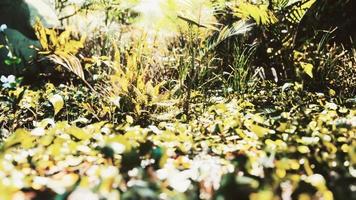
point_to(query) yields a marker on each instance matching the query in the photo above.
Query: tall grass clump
(243, 77)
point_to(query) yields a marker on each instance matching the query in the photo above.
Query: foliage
(327, 66)
(259, 13)
(242, 78)
(250, 148)
(130, 82)
(176, 104)
(61, 48)
(11, 58)
(24, 106)
(333, 16)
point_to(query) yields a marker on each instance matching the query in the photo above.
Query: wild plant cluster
(182, 99)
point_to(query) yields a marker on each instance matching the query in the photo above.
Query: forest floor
(276, 142)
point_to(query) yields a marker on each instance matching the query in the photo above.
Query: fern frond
(297, 10)
(70, 63)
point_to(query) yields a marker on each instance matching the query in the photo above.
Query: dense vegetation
(179, 99)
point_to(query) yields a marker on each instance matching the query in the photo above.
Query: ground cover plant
(178, 99)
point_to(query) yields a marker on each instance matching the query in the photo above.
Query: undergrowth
(215, 100)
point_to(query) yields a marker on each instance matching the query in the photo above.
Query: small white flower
(3, 27)
(11, 78)
(3, 79)
(8, 82)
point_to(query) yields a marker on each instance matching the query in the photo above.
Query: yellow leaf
(330, 147)
(297, 55)
(78, 133)
(328, 195)
(304, 196)
(258, 118)
(41, 35)
(258, 130)
(94, 128)
(84, 182)
(259, 13)
(17, 92)
(46, 140)
(303, 149)
(307, 167)
(117, 142)
(307, 68)
(53, 37)
(281, 173)
(129, 119)
(21, 136)
(64, 36)
(150, 89)
(8, 191)
(55, 149)
(298, 13)
(282, 127)
(294, 164)
(57, 102)
(332, 92)
(262, 195)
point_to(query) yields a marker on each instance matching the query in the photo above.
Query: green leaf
(12, 61)
(7, 62)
